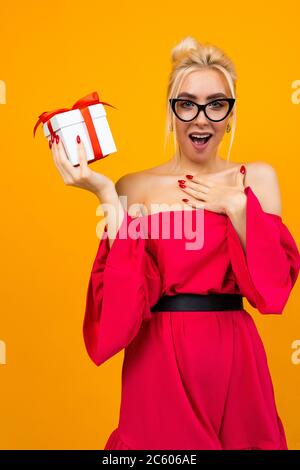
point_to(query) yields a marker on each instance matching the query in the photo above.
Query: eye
(217, 104)
(185, 104)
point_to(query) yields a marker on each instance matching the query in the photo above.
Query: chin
(194, 156)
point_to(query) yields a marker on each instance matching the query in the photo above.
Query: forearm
(237, 215)
(114, 212)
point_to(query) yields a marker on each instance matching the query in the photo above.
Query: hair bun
(183, 47)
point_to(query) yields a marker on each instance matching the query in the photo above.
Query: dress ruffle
(118, 299)
(269, 269)
(115, 442)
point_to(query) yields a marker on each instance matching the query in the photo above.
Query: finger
(63, 160)
(54, 154)
(196, 194)
(240, 177)
(197, 186)
(201, 180)
(57, 160)
(82, 155)
(195, 204)
(50, 142)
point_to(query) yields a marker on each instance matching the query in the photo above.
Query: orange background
(52, 395)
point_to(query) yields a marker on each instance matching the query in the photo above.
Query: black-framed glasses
(216, 110)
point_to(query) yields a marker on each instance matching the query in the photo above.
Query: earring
(228, 128)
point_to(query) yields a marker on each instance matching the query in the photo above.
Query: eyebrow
(189, 95)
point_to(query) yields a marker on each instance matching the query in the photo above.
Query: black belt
(198, 302)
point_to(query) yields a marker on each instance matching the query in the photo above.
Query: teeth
(200, 135)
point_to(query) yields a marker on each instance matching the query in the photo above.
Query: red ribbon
(82, 104)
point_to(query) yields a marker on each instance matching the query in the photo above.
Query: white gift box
(71, 123)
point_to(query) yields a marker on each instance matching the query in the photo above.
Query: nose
(201, 118)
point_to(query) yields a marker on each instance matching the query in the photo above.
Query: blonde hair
(187, 56)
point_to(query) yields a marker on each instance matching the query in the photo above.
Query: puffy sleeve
(268, 270)
(124, 284)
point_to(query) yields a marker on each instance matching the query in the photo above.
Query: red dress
(191, 380)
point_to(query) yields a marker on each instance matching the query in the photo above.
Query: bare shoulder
(131, 189)
(262, 178)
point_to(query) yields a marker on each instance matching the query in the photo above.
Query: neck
(184, 165)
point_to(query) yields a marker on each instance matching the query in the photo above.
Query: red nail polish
(181, 181)
(57, 138)
(50, 144)
(182, 185)
(185, 200)
(189, 176)
(78, 139)
(243, 169)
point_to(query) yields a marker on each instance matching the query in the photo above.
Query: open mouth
(200, 140)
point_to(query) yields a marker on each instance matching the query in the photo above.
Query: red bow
(82, 104)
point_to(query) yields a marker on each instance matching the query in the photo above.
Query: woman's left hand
(213, 196)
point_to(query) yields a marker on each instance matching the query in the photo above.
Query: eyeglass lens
(216, 110)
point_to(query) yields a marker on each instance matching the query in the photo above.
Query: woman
(195, 373)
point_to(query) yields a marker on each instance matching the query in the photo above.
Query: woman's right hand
(81, 176)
